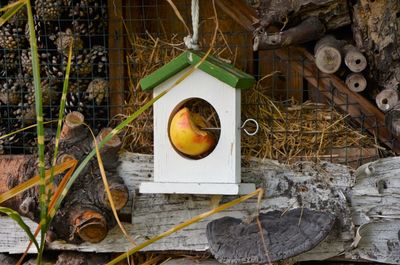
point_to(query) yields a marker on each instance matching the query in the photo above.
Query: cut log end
(328, 60)
(387, 99)
(115, 141)
(328, 57)
(74, 119)
(356, 82)
(354, 59)
(91, 226)
(73, 129)
(110, 150)
(120, 195)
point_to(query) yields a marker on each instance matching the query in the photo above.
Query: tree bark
(85, 214)
(375, 30)
(308, 30)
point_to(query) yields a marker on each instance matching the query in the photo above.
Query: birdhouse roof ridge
(213, 66)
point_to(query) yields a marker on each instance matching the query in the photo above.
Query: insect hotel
(221, 132)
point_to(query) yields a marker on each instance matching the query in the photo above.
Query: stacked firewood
(58, 24)
(329, 54)
(85, 214)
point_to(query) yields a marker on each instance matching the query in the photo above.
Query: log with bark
(299, 21)
(85, 214)
(375, 30)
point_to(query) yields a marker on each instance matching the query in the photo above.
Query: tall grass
(49, 202)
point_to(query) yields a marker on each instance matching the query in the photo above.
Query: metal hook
(248, 133)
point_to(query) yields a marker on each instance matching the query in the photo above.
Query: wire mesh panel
(302, 113)
(58, 24)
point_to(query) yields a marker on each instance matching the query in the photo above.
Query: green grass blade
(23, 129)
(60, 119)
(17, 218)
(259, 192)
(11, 10)
(120, 127)
(40, 127)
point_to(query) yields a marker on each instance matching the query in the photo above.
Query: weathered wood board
(375, 200)
(153, 214)
(323, 186)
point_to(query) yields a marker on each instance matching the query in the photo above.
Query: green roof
(213, 66)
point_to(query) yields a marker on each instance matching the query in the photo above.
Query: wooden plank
(304, 184)
(334, 89)
(379, 242)
(116, 57)
(374, 198)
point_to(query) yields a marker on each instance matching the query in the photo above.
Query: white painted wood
(197, 188)
(222, 165)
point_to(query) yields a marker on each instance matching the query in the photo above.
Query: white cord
(191, 42)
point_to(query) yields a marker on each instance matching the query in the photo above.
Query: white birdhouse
(182, 163)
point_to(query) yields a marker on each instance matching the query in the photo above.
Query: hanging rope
(191, 42)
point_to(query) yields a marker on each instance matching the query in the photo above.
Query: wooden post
(116, 57)
(356, 82)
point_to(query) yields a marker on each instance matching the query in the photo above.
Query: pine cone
(11, 36)
(82, 64)
(10, 91)
(48, 9)
(64, 40)
(8, 62)
(20, 18)
(49, 92)
(89, 17)
(97, 91)
(99, 59)
(54, 65)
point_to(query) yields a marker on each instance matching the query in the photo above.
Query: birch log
(375, 202)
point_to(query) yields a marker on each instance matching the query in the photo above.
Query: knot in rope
(191, 41)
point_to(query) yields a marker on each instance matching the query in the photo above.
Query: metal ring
(248, 133)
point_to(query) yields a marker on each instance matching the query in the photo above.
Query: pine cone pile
(58, 24)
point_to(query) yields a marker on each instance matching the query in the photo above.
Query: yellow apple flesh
(186, 134)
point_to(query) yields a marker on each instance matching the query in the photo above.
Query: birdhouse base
(197, 188)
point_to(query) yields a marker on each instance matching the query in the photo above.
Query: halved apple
(186, 134)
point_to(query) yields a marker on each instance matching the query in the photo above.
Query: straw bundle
(291, 131)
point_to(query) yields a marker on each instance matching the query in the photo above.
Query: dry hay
(289, 130)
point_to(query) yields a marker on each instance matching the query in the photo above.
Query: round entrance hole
(194, 128)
